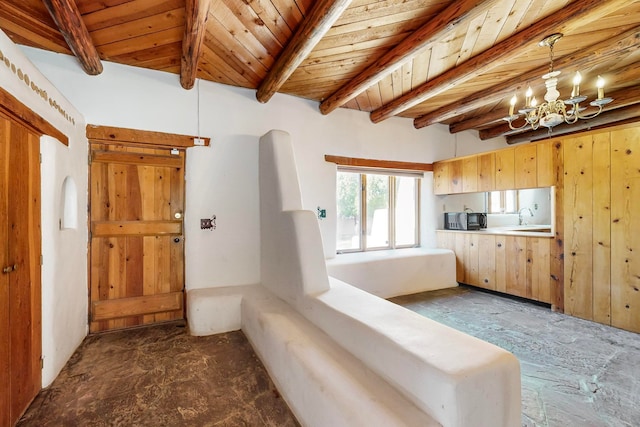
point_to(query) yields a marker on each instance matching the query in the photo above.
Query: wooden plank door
(20, 277)
(137, 247)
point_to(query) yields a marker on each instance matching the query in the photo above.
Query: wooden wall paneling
(487, 261)
(455, 176)
(526, 173)
(470, 174)
(516, 266)
(557, 248)
(601, 243)
(486, 172)
(544, 164)
(578, 226)
(441, 181)
(460, 249)
(625, 231)
(505, 169)
(501, 263)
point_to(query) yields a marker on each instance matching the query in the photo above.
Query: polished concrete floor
(575, 373)
(160, 376)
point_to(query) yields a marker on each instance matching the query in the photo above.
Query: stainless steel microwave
(465, 220)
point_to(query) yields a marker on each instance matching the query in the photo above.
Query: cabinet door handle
(10, 268)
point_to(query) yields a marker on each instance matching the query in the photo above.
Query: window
(376, 211)
(503, 202)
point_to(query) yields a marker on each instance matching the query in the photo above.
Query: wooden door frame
(97, 134)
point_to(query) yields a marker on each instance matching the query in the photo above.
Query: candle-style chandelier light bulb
(553, 111)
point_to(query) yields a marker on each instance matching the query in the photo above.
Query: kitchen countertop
(533, 230)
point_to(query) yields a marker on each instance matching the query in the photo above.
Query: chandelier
(554, 111)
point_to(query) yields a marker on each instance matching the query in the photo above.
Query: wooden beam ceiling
(323, 15)
(500, 53)
(591, 56)
(196, 15)
(420, 40)
(67, 17)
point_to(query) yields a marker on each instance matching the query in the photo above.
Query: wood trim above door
(19, 112)
(109, 134)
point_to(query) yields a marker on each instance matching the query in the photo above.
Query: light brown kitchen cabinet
(441, 181)
(515, 265)
(505, 169)
(455, 176)
(486, 172)
(470, 174)
(545, 165)
(525, 163)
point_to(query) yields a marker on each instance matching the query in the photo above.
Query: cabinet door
(516, 266)
(539, 268)
(455, 176)
(501, 263)
(505, 170)
(487, 261)
(487, 172)
(525, 166)
(545, 167)
(470, 174)
(471, 259)
(441, 178)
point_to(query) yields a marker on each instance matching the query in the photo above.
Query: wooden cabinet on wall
(602, 234)
(523, 166)
(515, 265)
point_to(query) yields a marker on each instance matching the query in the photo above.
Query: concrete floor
(575, 373)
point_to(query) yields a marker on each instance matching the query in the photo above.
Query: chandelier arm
(590, 116)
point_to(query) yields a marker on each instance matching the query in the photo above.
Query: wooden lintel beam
(630, 114)
(195, 27)
(622, 98)
(591, 56)
(109, 134)
(378, 164)
(583, 11)
(420, 40)
(67, 17)
(322, 17)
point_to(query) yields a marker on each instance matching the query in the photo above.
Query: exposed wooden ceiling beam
(622, 98)
(591, 56)
(630, 114)
(421, 39)
(197, 12)
(584, 11)
(322, 17)
(67, 17)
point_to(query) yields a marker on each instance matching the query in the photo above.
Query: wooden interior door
(136, 248)
(20, 288)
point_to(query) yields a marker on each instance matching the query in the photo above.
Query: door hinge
(41, 260)
(41, 362)
(40, 157)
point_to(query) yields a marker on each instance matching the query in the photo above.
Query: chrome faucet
(521, 220)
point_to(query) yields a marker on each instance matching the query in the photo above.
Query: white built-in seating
(390, 273)
(340, 355)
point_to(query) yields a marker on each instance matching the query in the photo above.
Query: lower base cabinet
(515, 265)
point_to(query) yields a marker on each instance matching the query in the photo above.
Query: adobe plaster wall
(223, 179)
(64, 269)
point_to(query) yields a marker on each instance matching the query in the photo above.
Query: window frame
(391, 182)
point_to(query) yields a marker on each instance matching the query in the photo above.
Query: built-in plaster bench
(351, 358)
(391, 273)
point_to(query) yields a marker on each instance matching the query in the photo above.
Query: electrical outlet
(322, 213)
(206, 224)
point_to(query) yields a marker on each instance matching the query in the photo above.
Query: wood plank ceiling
(434, 61)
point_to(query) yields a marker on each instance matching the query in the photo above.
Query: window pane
(377, 211)
(348, 204)
(510, 201)
(405, 211)
(494, 202)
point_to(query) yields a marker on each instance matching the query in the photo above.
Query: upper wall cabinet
(524, 166)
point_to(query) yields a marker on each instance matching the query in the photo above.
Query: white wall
(223, 179)
(64, 269)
